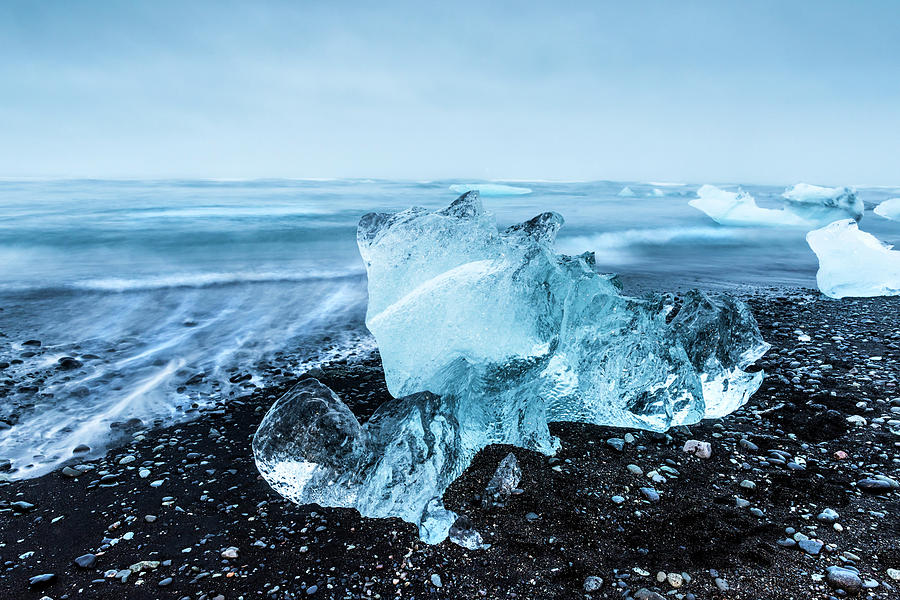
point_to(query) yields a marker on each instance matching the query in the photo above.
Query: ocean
(171, 295)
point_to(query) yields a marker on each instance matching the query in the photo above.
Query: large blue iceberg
(486, 336)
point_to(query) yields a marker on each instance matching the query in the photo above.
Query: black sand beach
(792, 488)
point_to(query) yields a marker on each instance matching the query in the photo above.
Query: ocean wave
(649, 236)
(186, 280)
(490, 189)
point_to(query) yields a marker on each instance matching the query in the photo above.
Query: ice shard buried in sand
(486, 336)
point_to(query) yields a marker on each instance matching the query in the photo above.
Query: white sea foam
(649, 236)
(119, 284)
(490, 189)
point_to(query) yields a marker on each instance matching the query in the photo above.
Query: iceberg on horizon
(805, 206)
(816, 203)
(626, 192)
(854, 263)
(486, 336)
(740, 209)
(889, 209)
(490, 189)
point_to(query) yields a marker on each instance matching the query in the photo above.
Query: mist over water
(172, 295)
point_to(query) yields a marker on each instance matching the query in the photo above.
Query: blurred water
(166, 290)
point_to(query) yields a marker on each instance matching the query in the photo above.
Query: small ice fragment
(854, 263)
(698, 448)
(626, 192)
(504, 482)
(463, 533)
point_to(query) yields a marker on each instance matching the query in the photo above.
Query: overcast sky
(755, 92)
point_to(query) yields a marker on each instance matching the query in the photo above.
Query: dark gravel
(188, 516)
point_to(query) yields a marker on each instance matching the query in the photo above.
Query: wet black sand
(729, 539)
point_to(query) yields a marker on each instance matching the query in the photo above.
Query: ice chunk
(463, 533)
(854, 263)
(824, 204)
(505, 335)
(626, 192)
(740, 209)
(311, 449)
(805, 206)
(490, 189)
(889, 209)
(504, 482)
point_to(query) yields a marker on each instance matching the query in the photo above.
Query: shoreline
(197, 483)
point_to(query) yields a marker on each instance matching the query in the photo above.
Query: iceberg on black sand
(486, 336)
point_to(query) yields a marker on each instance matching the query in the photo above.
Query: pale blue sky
(768, 92)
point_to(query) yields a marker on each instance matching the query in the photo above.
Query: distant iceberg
(490, 189)
(626, 192)
(853, 263)
(740, 209)
(805, 206)
(889, 209)
(817, 203)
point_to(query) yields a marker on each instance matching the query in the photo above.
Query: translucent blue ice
(854, 263)
(486, 336)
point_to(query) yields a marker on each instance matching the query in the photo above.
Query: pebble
(165, 582)
(873, 486)
(86, 561)
(811, 547)
(828, 516)
(67, 363)
(748, 445)
(843, 579)
(650, 494)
